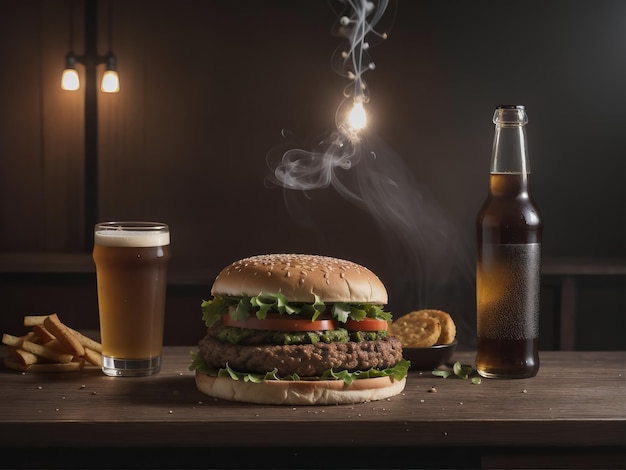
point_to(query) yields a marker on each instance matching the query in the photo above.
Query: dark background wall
(207, 88)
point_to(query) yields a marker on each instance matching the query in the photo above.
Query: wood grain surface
(577, 399)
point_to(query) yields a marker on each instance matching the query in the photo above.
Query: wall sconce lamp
(110, 83)
(110, 79)
(69, 79)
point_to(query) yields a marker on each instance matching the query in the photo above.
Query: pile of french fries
(50, 346)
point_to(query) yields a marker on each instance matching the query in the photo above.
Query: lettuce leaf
(242, 311)
(255, 378)
(341, 312)
(197, 363)
(262, 304)
(213, 310)
(398, 372)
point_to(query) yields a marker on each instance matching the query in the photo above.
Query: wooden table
(572, 415)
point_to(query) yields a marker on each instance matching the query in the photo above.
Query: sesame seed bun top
(298, 277)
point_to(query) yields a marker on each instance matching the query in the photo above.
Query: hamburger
(291, 329)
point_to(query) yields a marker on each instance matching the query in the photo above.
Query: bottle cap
(510, 115)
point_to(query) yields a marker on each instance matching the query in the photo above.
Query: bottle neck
(510, 154)
(508, 185)
(509, 142)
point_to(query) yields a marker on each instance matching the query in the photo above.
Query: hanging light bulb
(357, 118)
(69, 79)
(110, 78)
(110, 82)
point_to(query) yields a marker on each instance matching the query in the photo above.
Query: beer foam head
(131, 238)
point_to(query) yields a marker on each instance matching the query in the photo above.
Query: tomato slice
(280, 322)
(367, 324)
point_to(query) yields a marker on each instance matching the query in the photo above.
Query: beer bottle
(508, 265)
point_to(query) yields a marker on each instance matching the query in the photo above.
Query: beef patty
(306, 360)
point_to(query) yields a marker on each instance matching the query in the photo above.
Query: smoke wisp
(424, 249)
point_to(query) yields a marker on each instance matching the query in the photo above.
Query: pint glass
(131, 261)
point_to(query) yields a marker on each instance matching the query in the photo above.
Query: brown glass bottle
(508, 265)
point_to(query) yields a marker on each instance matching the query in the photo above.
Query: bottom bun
(304, 392)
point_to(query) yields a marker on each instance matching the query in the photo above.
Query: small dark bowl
(429, 358)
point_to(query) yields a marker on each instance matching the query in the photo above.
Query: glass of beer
(131, 269)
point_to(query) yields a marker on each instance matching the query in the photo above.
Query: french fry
(50, 346)
(14, 364)
(79, 360)
(13, 341)
(43, 334)
(63, 334)
(25, 357)
(93, 357)
(30, 336)
(47, 353)
(57, 346)
(67, 367)
(86, 341)
(32, 320)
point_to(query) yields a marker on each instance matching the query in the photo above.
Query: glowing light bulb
(69, 80)
(110, 78)
(110, 82)
(357, 118)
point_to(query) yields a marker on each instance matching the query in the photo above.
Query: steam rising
(422, 245)
(307, 170)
